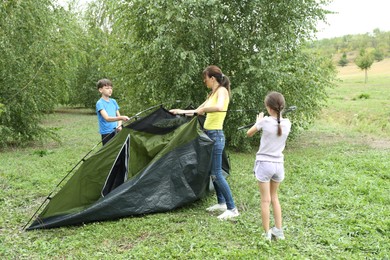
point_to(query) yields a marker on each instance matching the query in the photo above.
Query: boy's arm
(118, 117)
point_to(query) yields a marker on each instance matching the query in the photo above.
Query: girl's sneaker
(217, 207)
(268, 236)
(278, 233)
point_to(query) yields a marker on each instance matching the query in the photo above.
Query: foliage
(161, 48)
(343, 61)
(39, 57)
(378, 55)
(96, 58)
(362, 96)
(350, 44)
(364, 61)
(334, 197)
(154, 51)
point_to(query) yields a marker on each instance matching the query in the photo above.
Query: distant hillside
(351, 45)
(380, 68)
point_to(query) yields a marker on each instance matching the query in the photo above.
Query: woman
(215, 107)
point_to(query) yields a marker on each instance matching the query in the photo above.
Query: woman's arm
(186, 112)
(182, 112)
(222, 95)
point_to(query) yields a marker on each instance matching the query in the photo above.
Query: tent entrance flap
(119, 171)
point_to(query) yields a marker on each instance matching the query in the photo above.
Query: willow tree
(38, 61)
(163, 45)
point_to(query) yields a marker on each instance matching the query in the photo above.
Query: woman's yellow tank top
(214, 120)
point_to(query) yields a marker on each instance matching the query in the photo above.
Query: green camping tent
(155, 164)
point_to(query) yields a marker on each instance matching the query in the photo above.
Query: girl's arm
(251, 131)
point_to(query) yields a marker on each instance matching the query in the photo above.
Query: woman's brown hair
(216, 72)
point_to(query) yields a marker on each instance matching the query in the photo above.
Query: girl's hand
(260, 117)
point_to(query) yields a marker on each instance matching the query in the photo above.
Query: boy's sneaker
(268, 236)
(278, 233)
(229, 213)
(217, 207)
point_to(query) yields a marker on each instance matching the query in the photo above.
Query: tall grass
(357, 107)
(335, 198)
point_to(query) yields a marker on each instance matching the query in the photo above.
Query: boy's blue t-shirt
(110, 107)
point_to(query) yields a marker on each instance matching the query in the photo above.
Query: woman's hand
(174, 111)
(200, 111)
(182, 112)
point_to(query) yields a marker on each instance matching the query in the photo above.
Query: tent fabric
(155, 164)
(119, 171)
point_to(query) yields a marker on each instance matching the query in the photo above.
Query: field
(335, 198)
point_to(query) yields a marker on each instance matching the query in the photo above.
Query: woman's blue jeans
(224, 195)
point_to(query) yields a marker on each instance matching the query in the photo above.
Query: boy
(107, 110)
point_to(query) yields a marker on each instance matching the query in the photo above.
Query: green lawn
(335, 198)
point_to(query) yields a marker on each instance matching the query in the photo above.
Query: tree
(95, 49)
(364, 62)
(155, 51)
(162, 47)
(38, 61)
(343, 60)
(378, 55)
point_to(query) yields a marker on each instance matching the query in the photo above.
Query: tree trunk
(366, 77)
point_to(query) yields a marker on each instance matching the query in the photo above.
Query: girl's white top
(272, 145)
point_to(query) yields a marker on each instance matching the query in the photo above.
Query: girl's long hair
(276, 102)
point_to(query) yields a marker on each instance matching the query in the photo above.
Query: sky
(355, 17)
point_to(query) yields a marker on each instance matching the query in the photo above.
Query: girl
(269, 168)
(217, 101)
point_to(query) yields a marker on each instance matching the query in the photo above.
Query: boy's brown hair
(103, 82)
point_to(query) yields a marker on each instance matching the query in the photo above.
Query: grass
(335, 198)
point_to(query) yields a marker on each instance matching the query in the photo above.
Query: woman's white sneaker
(217, 207)
(230, 213)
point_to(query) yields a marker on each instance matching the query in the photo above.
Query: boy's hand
(125, 118)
